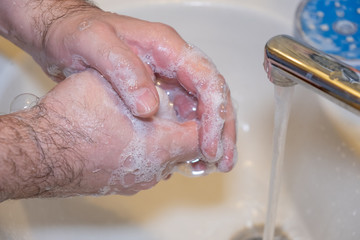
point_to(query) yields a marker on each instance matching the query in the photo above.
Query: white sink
(320, 198)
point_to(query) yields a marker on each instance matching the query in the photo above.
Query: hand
(90, 143)
(70, 36)
(129, 53)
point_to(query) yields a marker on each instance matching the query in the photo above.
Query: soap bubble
(23, 101)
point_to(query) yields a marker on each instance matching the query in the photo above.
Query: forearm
(37, 158)
(26, 22)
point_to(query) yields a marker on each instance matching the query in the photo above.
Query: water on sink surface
(256, 233)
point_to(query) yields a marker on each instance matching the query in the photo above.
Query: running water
(283, 96)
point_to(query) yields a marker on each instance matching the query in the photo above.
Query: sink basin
(320, 198)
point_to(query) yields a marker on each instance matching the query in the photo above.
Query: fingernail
(146, 102)
(213, 151)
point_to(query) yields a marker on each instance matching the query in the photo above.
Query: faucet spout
(288, 62)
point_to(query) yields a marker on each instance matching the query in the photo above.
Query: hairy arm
(26, 22)
(82, 140)
(38, 158)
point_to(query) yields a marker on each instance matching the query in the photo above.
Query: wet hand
(129, 53)
(109, 151)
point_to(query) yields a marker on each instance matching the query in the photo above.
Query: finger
(180, 140)
(228, 160)
(172, 58)
(128, 75)
(197, 74)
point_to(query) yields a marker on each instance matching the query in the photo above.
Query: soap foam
(59, 72)
(212, 88)
(142, 164)
(207, 85)
(124, 76)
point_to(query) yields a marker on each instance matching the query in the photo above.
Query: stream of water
(283, 96)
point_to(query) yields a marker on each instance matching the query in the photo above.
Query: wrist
(19, 156)
(39, 156)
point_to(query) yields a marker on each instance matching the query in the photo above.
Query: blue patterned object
(332, 26)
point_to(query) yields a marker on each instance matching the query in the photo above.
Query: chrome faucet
(287, 62)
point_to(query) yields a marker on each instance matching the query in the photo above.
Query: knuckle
(88, 29)
(164, 29)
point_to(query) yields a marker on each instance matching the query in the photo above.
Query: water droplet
(320, 14)
(340, 13)
(349, 39)
(345, 27)
(195, 168)
(324, 27)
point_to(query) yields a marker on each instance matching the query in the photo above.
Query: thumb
(181, 140)
(128, 75)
